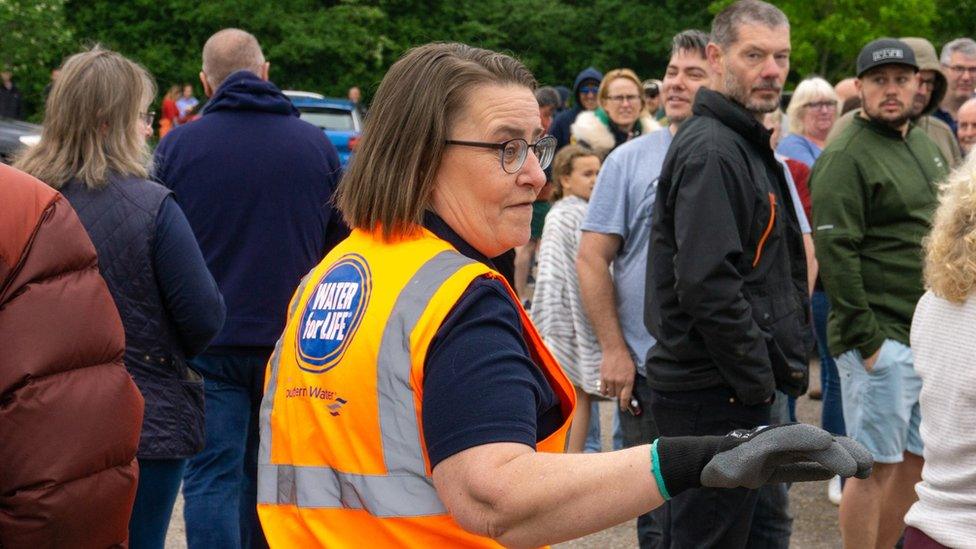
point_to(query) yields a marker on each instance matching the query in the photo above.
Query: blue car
(338, 118)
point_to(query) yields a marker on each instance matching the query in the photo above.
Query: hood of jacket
(592, 130)
(589, 73)
(244, 91)
(928, 61)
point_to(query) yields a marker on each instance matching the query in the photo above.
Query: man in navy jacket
(256, 184)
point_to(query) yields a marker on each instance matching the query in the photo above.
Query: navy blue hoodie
(562, 122)
(256, 184)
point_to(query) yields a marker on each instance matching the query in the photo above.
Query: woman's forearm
(526, 499)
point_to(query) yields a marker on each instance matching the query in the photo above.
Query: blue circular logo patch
(332, 314)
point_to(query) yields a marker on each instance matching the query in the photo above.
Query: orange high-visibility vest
(342, 461)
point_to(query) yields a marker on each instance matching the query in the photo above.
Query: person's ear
(207, 90)
(265, 70)
(714, 55)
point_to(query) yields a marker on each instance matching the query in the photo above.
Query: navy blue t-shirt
(480, 383)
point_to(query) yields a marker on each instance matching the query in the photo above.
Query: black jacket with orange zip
(726, 280)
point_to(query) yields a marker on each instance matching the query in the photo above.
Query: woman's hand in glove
(794, 452)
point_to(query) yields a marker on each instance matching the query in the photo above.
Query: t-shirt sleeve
(607, 212)
(480, 384)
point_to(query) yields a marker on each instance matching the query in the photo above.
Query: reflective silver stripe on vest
(405, 491)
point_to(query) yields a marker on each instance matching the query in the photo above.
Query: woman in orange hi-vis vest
(410, 401)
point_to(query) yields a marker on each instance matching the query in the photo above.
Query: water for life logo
(332, 314)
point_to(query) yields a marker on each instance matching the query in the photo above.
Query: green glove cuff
(656, 471)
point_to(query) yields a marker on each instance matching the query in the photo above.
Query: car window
(328, 119)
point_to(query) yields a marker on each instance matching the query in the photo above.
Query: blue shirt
(480, 384)
(797, 147)
(621, 204)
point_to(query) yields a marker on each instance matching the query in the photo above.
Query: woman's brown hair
(391, 177)
(92, 126)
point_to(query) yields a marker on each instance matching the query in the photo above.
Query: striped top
(944, 344)
(557, 309)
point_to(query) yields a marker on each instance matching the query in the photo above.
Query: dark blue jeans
(159, 483)
(220, 484)
(832, 413)
(638, 430)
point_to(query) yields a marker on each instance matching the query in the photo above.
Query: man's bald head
(845, 89)
(229, 51)
(966, 131)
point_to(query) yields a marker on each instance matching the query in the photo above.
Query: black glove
(793, 452)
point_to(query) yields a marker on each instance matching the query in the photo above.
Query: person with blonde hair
(620, 116)
(93, 149)
(811, 113)
(943, 338)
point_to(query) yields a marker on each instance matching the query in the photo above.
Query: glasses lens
(544, 150)
(513, 155)
(589, 89)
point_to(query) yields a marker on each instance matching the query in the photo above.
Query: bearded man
(726, 289)
(874, 191)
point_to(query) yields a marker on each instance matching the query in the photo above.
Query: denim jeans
(593, 442)
(638, 430)
(772, 523)
(707, 517)
(159, 483)
(220, 483)
(832, 414)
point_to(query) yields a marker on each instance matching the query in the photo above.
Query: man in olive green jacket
(932, 89)
(874, 191)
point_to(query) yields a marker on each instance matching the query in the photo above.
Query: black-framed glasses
(827, 105)
(147, 117)
(513, 152)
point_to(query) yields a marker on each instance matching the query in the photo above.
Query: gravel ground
(814, 525)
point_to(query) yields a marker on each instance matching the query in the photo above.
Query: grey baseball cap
(885, 51)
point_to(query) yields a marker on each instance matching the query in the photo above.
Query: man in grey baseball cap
(885, 51)
(873, 191)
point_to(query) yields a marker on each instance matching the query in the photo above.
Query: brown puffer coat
(69, 412)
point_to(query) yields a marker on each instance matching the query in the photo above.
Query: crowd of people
(400, 354)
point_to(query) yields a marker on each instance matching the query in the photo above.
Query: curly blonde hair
(950, 249)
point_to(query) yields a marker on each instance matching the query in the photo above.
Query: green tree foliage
(330, 45)
(828, 34)
(32, 33)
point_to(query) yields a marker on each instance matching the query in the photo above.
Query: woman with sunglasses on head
(620, 116)
(93, 150)
(410, 401)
